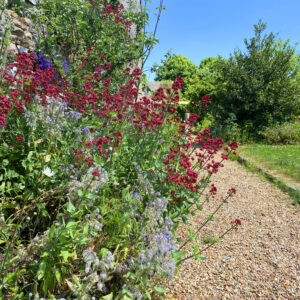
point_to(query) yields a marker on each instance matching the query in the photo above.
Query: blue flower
(66, 67)
(41, 60)
(137, 196)
(53, 119)
(167, 237)
(86, 129)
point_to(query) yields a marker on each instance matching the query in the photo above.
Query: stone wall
(21, 34)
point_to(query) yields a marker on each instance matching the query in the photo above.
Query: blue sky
(201, 28)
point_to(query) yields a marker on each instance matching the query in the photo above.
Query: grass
(281, 159)
(282, 163)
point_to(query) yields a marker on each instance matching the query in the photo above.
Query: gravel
(261, 260)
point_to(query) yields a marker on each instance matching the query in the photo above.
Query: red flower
(96, 173)
(205, 99)
(20, 138)
(237, 222)
(233, 145)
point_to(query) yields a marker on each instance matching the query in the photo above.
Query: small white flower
(48, 172)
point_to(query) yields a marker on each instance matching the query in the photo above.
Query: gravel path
(259, 261)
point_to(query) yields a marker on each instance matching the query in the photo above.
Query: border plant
(95, 180)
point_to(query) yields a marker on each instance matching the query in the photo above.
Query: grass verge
(290, 189)
(282, 159)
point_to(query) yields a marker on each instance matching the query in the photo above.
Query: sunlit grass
(284, 159)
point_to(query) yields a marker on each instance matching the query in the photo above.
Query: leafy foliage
(93, 187)
(259, 87)
(204, 82)
(174, 66)
(287, 133)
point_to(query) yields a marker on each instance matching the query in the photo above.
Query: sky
(201, 28)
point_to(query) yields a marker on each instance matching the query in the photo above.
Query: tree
(204, 82)
(259, 87)
(174, 66)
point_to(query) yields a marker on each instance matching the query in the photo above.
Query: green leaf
(195, 249)
(45, 254)
(159, 290)
(42, 269)
(80, 193)
(57, 275)
(108, 297)
(65, 255)
(90, 196)
(103, 252)
(42, 209)
(71, 224)
(178, 255)
(5, 162)
(148, 295)
(70, 207)
(198, 257)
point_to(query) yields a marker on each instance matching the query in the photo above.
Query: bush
(229, 129)
(259, 86)
(287, 133)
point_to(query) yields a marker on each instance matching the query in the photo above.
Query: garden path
(259, 261)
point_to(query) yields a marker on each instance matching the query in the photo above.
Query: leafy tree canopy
(204, 81)
(260, 86)
(174, 66)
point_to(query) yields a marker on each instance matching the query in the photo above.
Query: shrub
(287, 133)
(259, 86)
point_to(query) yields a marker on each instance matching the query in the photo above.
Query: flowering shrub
(67, 29)
(94, 180)
(94, 183)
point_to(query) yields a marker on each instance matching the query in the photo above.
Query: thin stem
(154, 33)
(210, 245)
(206, 221)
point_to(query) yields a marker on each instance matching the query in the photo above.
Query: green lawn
(281, 159)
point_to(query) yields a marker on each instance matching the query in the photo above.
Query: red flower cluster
(27, 81)
(189, 156)
(205, 100)
(233, 145)
(178, 84)
(96, 173)
(231, 192)
(4, 109)
(237, 222)
(192, 119)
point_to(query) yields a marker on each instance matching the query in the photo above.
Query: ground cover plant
(94, 179)
(281, 158)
